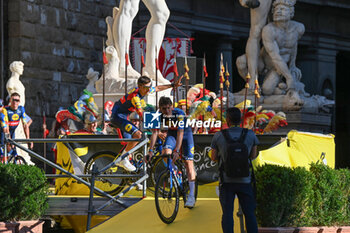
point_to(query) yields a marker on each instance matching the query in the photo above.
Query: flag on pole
(126, 59)
(176, 72)
(105, 60)
(205, 68)
(142, 60)
(222, 72)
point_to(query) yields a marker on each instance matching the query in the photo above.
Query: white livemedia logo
(154, 121)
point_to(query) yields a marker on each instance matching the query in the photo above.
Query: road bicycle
(170, 186)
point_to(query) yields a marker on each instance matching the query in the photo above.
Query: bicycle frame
(170, 168)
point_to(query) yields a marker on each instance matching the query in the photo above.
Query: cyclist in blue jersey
(133, 102)
(16, 113)
(179, 136)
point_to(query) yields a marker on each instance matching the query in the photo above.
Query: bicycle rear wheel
(17, 160)
(112, 185)
(167, 197)
(158, 166)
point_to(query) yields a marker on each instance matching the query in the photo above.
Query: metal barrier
(95, 173)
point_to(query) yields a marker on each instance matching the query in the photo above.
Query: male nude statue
(154, 33)
(277, 57)
(280, 40)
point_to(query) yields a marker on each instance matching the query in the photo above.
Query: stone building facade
(58, 40)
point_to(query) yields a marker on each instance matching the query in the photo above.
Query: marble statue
(119, 33)
(14, 84)
(113, 82)
(282, 88)
(92, 76)
(280, 44)
(278, 55)
(294, 101)
(112, 23)
(259, 11)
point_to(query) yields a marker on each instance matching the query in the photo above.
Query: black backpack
(236, 164)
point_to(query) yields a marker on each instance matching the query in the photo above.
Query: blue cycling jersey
(14, 116)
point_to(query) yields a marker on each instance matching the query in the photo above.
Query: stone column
(318, 65)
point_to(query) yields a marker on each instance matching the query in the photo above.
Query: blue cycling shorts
(187, 144)
(121, 121)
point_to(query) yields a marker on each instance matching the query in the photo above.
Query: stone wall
(58, 40)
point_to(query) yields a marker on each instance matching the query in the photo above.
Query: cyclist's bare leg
(167, 151)
(130, 145)
(125, 163)
(191, 174)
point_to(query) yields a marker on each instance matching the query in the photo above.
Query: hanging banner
(166, 53)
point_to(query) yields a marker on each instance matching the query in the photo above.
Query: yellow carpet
(143, 217)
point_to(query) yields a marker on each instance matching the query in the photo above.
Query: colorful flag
(205, 68)
(126, 59)
(176, 73)
(105, 60)
(143, 61)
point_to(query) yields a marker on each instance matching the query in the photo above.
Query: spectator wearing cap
(90, 125)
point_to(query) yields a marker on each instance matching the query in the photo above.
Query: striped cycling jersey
(131, 102)
(14, 116)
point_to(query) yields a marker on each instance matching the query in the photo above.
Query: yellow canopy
(300, 149)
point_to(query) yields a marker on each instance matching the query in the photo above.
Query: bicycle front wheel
(158, 166)
(167, 197)
(112, 185)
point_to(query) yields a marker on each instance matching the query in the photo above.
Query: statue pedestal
(308, 122)
(238, 98)
(302, 120)
(149, 99)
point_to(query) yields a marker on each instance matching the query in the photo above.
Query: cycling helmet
(89, 119)
(134, 116)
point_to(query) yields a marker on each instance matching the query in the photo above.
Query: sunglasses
(147, 87)
(15, 100)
